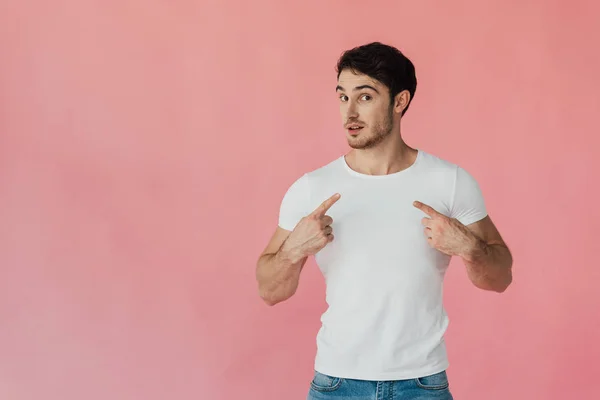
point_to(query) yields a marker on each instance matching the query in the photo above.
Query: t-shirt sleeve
(294, 204)
(468, 204)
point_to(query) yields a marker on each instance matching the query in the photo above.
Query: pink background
(145, 147)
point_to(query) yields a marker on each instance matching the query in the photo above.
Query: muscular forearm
(278, 276)
(489, 266)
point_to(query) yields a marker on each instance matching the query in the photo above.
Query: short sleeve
(294, 204)
(468, 205)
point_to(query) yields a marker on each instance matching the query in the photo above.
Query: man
(383, 222)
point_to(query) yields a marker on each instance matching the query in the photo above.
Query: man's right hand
(312, 233)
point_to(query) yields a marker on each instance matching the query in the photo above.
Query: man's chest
(381, 229)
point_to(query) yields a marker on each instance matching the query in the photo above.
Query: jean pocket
(325, 383)
(437, 381)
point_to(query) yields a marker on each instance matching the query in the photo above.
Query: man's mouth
(354, 128)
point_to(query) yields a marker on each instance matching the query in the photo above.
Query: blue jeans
(326, 387)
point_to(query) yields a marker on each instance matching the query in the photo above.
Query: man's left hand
(446, 234)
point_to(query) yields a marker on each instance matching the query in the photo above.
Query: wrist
(289, 256)
(475, 250)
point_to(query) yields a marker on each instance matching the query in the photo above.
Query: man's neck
(382, 160)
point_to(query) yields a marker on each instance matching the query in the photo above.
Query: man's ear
(401, 101)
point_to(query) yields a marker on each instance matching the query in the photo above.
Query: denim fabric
(326, 387)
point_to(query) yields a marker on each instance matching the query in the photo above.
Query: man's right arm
(279, 266)
(278, 270)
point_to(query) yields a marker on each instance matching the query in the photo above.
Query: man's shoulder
(325, 169)
(435, 166)
(435, 161)
(444, 168)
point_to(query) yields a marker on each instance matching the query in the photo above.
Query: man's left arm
(486, 257)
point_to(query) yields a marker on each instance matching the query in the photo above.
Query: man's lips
(354, 129)
(353, 126)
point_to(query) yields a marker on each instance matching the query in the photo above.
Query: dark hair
(383, 63)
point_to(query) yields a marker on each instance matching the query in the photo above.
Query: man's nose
(351, 112)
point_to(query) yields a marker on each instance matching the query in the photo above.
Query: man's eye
(344, 97)
(366, 97)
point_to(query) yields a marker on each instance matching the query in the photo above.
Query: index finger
(426, 209)
(322, 209)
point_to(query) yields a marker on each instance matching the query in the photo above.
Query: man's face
(367, 113)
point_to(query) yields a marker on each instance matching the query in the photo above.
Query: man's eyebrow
(338, 87)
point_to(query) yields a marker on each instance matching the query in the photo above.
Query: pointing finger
(322, 209)
(426, 209)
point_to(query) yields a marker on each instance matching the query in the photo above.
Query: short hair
(383, 63)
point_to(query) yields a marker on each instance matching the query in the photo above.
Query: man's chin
(359, 146)
(364, 142)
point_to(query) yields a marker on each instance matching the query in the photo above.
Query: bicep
(468, 205)
(486, 231)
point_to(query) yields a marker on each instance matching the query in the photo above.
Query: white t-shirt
(385, 318)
